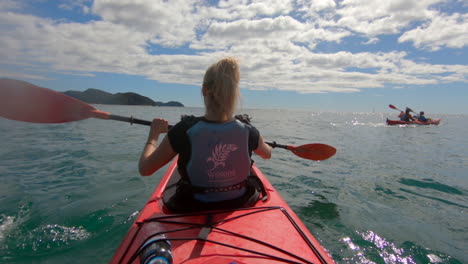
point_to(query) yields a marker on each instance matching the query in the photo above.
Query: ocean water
(69, 192)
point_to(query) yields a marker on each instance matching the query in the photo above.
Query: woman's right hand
(158, 126)
(154, 155)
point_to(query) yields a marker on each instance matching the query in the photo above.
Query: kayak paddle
(22, 101)
(316, 151)
(393, 107)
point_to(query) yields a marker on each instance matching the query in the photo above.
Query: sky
(322, 55)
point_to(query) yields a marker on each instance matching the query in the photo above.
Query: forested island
(96, 96)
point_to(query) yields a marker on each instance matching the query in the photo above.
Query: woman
(214, 150)
(407, 116)
(401, 115)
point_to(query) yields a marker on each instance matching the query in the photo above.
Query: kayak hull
(399, 122)
(268, 232)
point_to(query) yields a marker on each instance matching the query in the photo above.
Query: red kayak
(268, 232)
(398, 122)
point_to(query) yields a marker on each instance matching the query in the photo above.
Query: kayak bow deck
(268, 232)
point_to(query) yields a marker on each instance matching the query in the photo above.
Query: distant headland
(96, 96)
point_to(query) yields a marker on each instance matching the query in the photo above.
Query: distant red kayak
(398, 122)
(268, 232)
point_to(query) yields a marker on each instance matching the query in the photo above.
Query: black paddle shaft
(276, 145)
(132, 121)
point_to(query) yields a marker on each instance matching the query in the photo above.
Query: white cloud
(96, 46)
(170, 23)
(21, 75)
(81, 5)
(239, 9)
(9, 5)
(449, 31)
(315, 5)
(382, 17)
(220, 35)
(288, 30)
(277, 50)
(372, 40)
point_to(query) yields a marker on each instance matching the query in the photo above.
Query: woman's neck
(215, 117)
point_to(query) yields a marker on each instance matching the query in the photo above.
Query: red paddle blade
(392, 106)
(314, 151)
(26, 102)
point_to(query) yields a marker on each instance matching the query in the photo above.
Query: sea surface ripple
(391, 194)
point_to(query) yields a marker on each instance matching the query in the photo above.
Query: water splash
(389, 253)
(434, 259)
(132, 217)
(6, 224)
(53, 236)
(369, 248)
(360, 256)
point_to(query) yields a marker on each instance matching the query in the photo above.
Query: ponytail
(221, 83)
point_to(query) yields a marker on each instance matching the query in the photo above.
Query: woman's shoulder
(244, 119)
(187, 121)
(180, 128)
(189, 118)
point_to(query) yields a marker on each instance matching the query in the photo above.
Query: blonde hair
(221, 84)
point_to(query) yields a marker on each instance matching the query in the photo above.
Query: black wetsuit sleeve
(180, 141)
(178, 137)
(178, 134)
(254, 135)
